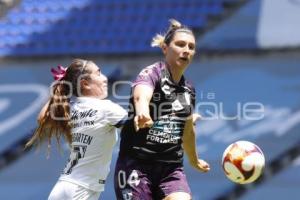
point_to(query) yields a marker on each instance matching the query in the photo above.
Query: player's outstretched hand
(142, 121)
(200, 165)
(196, 117)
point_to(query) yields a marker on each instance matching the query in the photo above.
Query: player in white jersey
(87, 121)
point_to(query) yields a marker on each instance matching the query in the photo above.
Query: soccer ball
(243, 162)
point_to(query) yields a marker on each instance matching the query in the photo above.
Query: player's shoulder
(106, 104)
(110, 105)
(156, 65)
(95, 103)
(153, 68)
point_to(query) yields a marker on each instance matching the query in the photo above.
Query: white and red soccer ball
(243, 162)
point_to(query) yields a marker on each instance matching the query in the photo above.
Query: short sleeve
(148, 76)
(115, 114)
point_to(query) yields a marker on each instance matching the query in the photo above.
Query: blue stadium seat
(85, 22)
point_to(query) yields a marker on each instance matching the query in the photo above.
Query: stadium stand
(226, 37)
(251, 28)
(89, 27)
(5, 5)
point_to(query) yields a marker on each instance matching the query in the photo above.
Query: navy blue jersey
(170, 105)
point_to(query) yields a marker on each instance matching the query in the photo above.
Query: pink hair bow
(58, 73)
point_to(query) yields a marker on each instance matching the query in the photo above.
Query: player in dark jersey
(160, 126)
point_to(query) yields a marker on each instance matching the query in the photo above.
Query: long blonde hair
(175, 26)
(55, 117)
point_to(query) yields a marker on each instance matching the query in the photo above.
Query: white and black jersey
(93, 136)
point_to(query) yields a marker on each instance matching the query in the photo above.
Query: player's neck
(176, 74)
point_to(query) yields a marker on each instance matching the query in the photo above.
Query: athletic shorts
(135, 180)
(69, 191)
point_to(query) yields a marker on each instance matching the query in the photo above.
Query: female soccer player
(160, 126)
(78, 111)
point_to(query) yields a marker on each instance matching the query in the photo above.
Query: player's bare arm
(142, 96)
(189, 145)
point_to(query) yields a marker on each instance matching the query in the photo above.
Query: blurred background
(247, 54)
